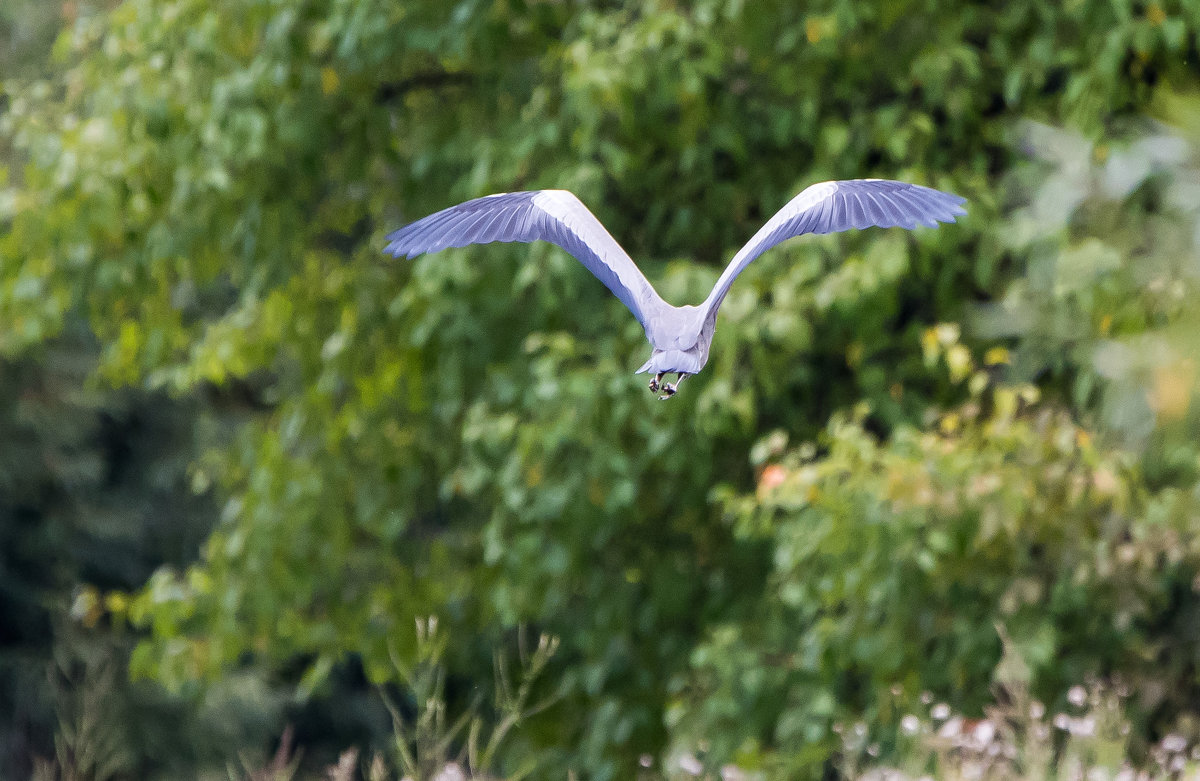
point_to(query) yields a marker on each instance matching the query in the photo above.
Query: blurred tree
(93, 489)
(78, 502)
(205, 185)
(27, 29)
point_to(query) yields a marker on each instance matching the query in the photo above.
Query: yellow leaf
(812, 30)
(116, 602)
(996, 355)
(1004, 401)
(929, 346)
(958, 358)
(329, 80)
(978, 383)
(1172, 392)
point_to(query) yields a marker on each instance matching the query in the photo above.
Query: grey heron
(680, 336)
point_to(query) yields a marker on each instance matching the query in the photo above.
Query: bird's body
(679, 335)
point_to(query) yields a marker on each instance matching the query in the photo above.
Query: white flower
(910, 725)
(1077, 696)
(984, 732)
(690, 764)
(952, 728)
(940, 711)
(451, 772)
(1174, 743)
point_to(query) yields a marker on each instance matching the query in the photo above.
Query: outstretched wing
(556, 216)
(830, 207)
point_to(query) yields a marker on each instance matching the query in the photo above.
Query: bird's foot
(656, 382)
(669, 388)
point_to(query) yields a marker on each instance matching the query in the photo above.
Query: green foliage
(204, 187)
(899, 557)
(427, 743)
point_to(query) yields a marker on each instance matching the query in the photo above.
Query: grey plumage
(680, 336)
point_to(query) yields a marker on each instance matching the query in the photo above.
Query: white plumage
(680, 336)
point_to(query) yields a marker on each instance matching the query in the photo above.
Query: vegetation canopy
(243, 452)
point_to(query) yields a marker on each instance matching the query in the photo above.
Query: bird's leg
(657, 381)
(669, 388)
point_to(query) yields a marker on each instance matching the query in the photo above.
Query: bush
(895, 560)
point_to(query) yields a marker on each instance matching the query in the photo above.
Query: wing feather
(556, 216)
(832, 207)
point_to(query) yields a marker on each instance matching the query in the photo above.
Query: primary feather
(832, 207)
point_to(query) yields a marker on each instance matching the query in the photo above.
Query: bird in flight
(679, 335)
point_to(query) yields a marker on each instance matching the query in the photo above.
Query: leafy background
(242, 453)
